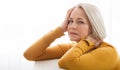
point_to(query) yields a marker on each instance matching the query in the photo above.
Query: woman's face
(79, 25)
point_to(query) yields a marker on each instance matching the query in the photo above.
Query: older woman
(85, 27)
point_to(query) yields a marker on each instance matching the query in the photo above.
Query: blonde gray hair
(96, 21)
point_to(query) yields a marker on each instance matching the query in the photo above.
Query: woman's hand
(65, 22)
(92, 39)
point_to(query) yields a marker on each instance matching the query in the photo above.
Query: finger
(71, 9)
(69, 12)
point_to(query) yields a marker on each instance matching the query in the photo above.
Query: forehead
(78, 13)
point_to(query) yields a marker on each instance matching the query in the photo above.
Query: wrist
(95, 43)
(89, 42)
(62, 28)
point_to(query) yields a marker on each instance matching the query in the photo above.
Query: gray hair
(96, 21)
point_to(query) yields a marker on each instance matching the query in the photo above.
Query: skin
(77, 25)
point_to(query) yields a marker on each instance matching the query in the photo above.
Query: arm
(77, 58)
(40, 50)
(117, 67)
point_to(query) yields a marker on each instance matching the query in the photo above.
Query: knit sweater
(74, 56)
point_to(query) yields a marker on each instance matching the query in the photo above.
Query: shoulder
(105, 51)
(107, 47)
(108, 53)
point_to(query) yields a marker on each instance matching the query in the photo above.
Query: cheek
(84, 31)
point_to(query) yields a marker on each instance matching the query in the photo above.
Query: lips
(72, 33)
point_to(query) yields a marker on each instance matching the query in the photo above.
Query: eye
(70, 21)
(80, 22)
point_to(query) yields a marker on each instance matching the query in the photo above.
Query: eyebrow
(77, 18)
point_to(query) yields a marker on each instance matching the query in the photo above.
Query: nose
(73, 25)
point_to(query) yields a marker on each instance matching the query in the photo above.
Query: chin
(76, 40)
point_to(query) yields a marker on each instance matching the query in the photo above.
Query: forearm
(75, 53)
(39, 46)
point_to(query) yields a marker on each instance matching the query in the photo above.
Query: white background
(22, 22)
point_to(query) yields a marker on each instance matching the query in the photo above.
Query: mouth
(73, 33)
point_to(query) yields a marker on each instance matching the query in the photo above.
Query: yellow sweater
(74, 56)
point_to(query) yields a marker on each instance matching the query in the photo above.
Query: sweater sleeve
(40, 50)
(78, 57)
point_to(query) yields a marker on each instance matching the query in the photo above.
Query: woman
(85, 27)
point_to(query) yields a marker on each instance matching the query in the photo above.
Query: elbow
(67, 64)
(28, 56)
(61, 64)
